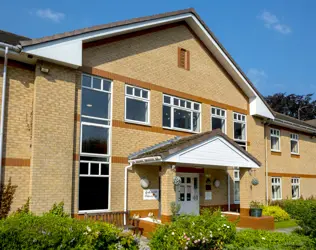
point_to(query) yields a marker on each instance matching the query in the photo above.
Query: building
(106, 118)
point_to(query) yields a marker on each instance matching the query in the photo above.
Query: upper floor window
(294, 143)
(137, 104)
(276, 188)
(240, 134)
(295, 182)
(181, 114)
(275, 135)
(219, 119)
(183, 58)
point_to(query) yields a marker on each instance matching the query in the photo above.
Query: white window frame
(295, 137)
(236, 179)
(295, 181)
(276, 184)
(92, 176)
(109, 126)
(133, 97)
(242, 121)
(277, 134)
(219, 116)
(192, 110)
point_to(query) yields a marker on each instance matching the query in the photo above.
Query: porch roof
(207, 148)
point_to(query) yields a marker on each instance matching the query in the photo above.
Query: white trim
(276, 184)
(142, 99)
(276, 133)
(93, 211)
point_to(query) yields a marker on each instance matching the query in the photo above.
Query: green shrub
(275, 211)
(58, 210)
(207, 231)
(259, 239)
(27, 231)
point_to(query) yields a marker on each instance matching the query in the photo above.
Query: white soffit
(214, 152)
(68, 51)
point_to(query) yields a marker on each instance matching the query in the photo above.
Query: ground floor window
(94, 183)
(236, 186)
(295, 188)
(276, 188)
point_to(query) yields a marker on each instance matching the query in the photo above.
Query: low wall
(246, 221)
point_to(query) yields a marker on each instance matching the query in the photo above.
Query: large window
(219, 119)
(275, 140)
(295, 188)
(136, 104)
(94, 171)
(236, 186)
(181, 114)
(240, 130)
(276, 188)
(294, 144)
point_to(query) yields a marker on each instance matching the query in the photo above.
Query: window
(295, 188)
(240, 134)
(275, 140)
(94, 170)
(136, 104)
(236, 186)
(294, 144)
(219, 119)
(276, 188)
(183, 58)
(181, 114)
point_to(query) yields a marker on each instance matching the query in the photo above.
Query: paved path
(287, 230)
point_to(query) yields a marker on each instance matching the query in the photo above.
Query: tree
(302, 107)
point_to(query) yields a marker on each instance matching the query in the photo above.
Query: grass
(285, 224)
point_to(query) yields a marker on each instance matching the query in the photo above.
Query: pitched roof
(293, 120)
(10, 38)
(178, 144)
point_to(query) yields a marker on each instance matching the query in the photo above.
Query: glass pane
(196, 106)
(104, 169)
(182, 180)
(218, 112)
(175, 101)
(188, 180)
(95, 103)
(166, 120)
(275, 145)
(213, 111)
(129, 90)
(136, 110)
(182, 188)
(294, 147)
(195, 183)
(182, 119)
(94, 140)
(84, 167)
(137, 92)
(217, 123)
(237, 191)
(93, 193)
(196, 122)
(188, 192)
(145, 94)
(188, 105)
(166, 99)
(94, 168)
(182, 103)
(106, 85)
(86, 81)
(223, 113)
(96, 83)
(239, 131)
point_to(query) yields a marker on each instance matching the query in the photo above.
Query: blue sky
(274, 42)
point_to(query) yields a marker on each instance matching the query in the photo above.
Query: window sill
(137, 123)
(293, 155)
(93, 211)
(181, 130)
(274, 152)
(279, 199)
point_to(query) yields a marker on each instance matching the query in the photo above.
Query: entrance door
(188, 194)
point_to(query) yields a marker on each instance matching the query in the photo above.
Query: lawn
(285, 224)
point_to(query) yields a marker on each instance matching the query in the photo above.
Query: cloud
(272, 22)
(257, 76)
(50, 15)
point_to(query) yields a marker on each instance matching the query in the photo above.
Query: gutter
(7, 48)
(293, 125)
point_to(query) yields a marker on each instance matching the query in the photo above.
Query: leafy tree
(302, 107)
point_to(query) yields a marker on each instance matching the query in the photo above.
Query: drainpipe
(265, 127)
(6, 47)
(125, 191)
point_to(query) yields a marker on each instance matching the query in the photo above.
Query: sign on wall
(151, 194)
(208, 195)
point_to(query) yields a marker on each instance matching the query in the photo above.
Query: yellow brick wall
(53, 138)
(17, 129)
(153, 58)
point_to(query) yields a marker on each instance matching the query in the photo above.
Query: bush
(259, 239)
(58, 210)
(207, 231)
(27, 231)
(6, 198)
(276, 212)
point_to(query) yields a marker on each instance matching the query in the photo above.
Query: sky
(273, 41)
